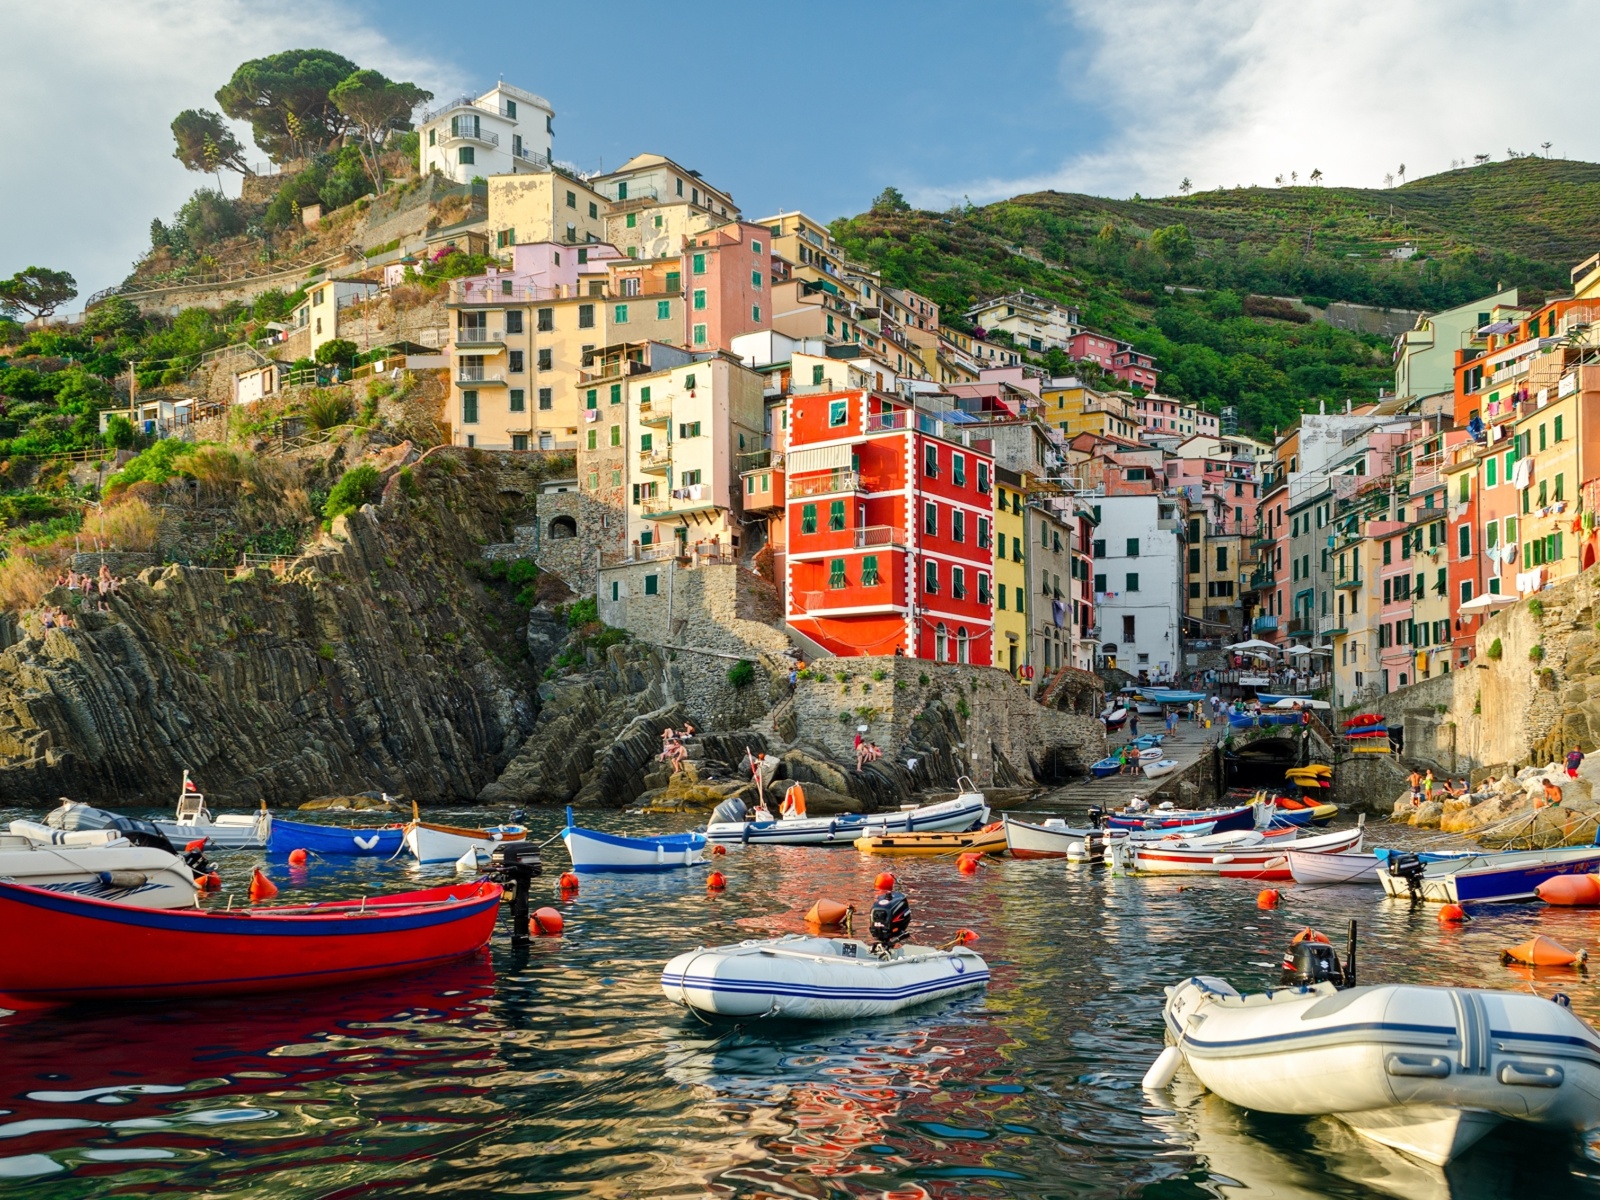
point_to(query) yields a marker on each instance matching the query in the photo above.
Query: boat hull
(961, 813)
(817, 979)
(1308, 866)
(1222, 820)
(1494, 878)
(592, 851)
(982, 841)
(1265, 860)
(339, 840)
(137, 876)
(59, 950)
(1424, 1070)
(448, 844)
(228, 833)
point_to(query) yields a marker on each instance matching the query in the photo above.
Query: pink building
(729, 285)
(1115, 357)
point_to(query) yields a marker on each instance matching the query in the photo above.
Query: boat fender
(1266, 897)
(261, 888)
(883, 883)
(124, 879)
(830, 914)
(1570, 890)
(546, 922)
(716, 881)
(1162, 1070)
(569, 883)
(1453, 914)
(297, 858)
(994, 827)
(1544, 952)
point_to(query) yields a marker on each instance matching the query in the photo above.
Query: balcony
(480, 337)
(682, 500)
(1302, 626)
(655, 412)
(869, 537)
(655, 462)
(1350, 583)
(480, 378)
(880, 421)
(1264, 624)
(831, 484)
(532, 157)
(469, 131)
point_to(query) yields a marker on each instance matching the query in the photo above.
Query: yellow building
(544, 206)
(1551, 445)
(1074, 408)
(1011, 599)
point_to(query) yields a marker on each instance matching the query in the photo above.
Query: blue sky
(816, 105)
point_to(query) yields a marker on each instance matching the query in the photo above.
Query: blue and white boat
(334, 839)
(1279, 697)
(967, 810)
(1488, 878)
(1147, 741)
(592, 851)
(1106, 767)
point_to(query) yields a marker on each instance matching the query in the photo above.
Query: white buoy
(468, 861)
(1163, 1069)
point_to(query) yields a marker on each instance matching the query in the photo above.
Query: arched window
(563, 527)
(961, 644)
(940, 644)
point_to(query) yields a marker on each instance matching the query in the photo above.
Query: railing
(655, 412)
(887, 420)
(1299, 625)
(494, 291)
(836, 481)
(869, 536)
(760, 460)
(677, 501)
(1264, 624)
(470, 133)
(637, 193)
(466, 377)
(478, 337)
(459, 102)
(654, 460)
(531, 156)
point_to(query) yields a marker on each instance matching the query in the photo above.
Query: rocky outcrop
(1515, 809)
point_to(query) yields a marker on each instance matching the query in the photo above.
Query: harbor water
(558, 1069)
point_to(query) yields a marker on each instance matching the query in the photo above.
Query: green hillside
(1524, 222)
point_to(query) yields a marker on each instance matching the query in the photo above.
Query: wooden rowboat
(449, 843)
(991, 839)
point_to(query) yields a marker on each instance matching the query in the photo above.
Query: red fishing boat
(63, 949)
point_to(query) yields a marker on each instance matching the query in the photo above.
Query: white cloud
(1238, 91)
(91, 89)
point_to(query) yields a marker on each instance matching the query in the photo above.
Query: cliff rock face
(369, 663)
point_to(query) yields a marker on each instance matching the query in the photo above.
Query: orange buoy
(569, 881)
(208, 882)
(546, 922)
(716, 881)
(963, 936)
(718, 850)
(1544, 952)
(297, 858)
(1309, 934)
(883, 883)
(967, 864)
(197, 844)
(1452, 914)
(261, 888)
(1267, 898)
(1570, 889)
(829, 914)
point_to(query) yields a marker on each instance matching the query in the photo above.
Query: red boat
(57, 948)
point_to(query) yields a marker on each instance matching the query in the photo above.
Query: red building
(889, 530)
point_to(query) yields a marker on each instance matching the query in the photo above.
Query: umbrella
(1252, 644)
(1487, 600)
(1294, 702)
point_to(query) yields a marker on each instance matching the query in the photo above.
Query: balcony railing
(470, 133)
(479, 337)
(1299, 626)
(887, 420)
(686, 499)
(655, 461)
(529, 156)
(655, 412)
(825, 485)
(870, 536)
(759, 460)
(1264, 624)
(469, 378)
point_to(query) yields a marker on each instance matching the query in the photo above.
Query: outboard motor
(1409, 867)
(890, 922)
(1311, 959)
(731, 811)
(1096, 815)
(513, 865)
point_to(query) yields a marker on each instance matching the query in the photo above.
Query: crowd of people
(96, 590)
(673, 751)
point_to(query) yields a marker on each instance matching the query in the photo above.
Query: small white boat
(1239, 855)
(966, 810)
(1309, 866)
(818, 978)
(1158, 768)
(1056, 839)
(100, 864)
(1151, 754)
(1484, 878)
(450, 843)
(1425, 1070)
(592, 851)
(231, 831)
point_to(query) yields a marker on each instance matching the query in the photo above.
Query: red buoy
(261, 888)
(716, 881)
(1452, 914)
(208, 882)
(883, 883)
(546, 922)
(1267, 898)
(569, 882)
(967, 864)
(297, 858)
(718, 849)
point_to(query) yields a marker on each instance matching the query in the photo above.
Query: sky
(814, 106)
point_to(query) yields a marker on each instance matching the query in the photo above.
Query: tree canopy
(37, 291)
(285, 99)
(205, 143)
(890, 201)
(375, 104)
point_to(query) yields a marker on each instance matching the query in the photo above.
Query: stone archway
(562, 528)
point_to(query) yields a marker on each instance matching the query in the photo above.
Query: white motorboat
(592, 851)
(1056, 839)
(818, 978)
(1239, 854)
(963, 812)
(1483, 878)
(1156, 769)
(100, 864)
(231, 831)
(1310, 866)
(1425, 1070)
(450, 843)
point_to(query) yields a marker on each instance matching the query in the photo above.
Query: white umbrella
(1487, 600)
(1298, 650)
(1294, 702)
(1252, 644)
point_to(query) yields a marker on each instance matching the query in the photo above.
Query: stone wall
(1423, 711)
(1003, 732)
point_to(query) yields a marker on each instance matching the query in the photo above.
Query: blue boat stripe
(673, 842)
(709, 983)
(1301, 1035)
(240, 922)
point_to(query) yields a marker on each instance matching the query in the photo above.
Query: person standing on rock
(1574, 761)
(1427, 786)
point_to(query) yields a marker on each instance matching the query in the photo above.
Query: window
(698, 264)
(1491, 468)
(930, 519)
(1542, 430)
(755, 313)
(699, 299)
(1388, 553)
(1560, 487)
(869, 571)
(547, 320)
(1127, 629)
(1194, 591)
(838, 412)
(519, 400)
(1133, 581)
(1100, 550)
(755, 279)
(674, 282)
(515, 364)
(699, 335)
(689, 478)
(983, 478)
(465, 156)
(983, 588)
(594, 439)
(620, 314)
(1222, 558)
(644, 394)
(958, 525)
(983, 533)
(836, 575)
(572, 199)
(755, 246)
(652, 585)
(632, 221)
(958, 470)
(1464, 541)
(546, 399)
(1194, 560)
(663, 310)
(1000, 597)
(594, 212)
(514, 319)
(1557, 430)
(433, 137)
(591, 398)
(469, 408)
(616, 435)
(1133, 547)
(647, 442)
(1100, 584)
(1491, 535)
(836, 515)
(958, 583)
(688, 381)
(930, 581)
(585, 316)
(688, 429)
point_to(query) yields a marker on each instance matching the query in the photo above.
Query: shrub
(842, 676)
(845, 718)
(327, 410)
(119, 434)
(325, 651)
(1536, 654)
(1494, 651)
(923, 679)
(356, 487)
(155, 465)
(583, 612)
(408, 482)
(338, 350)
(880, 675)
(1536, 607)
(962, 709)
(742, 674)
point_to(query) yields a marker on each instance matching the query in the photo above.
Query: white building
(505, 131)
(1138, 584)
(1034, 322)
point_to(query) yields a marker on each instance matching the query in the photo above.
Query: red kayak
(57, 948)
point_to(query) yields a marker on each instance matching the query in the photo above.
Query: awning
(1486, 601)
(1253, 644)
